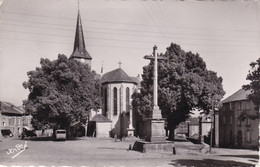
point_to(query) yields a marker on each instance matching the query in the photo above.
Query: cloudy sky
(226, 34)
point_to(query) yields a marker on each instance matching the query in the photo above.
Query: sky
(226, 34)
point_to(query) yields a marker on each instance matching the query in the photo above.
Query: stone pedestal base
(130, 132)
(155, 130)
(152, 147)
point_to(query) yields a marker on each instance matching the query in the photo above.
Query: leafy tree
(254, 85)
(184, 84)
(62, 92)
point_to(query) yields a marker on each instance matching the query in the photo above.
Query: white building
(117, 89)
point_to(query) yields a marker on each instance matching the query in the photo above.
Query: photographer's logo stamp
(18, 149)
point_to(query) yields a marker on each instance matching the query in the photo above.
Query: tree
(254, 85)
(61, 93)
(184, 84)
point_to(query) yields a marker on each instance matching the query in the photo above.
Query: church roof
(100, 118)
(239, 95)
(79, 50)
(117, 76)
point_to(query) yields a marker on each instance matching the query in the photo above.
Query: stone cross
(120, 63)
(155, 57)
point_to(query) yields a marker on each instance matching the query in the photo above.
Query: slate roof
(100, 118)
(79, 50)
(117, 76)
(9, 109)
(237, 96)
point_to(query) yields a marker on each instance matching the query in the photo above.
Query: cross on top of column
(154, 48)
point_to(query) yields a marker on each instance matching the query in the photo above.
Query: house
(238, 124)
(12, 119)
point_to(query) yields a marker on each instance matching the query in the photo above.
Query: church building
(117, 89)
(116, 86)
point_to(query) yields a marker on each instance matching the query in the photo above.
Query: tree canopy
(184, 84)
(61, 92)
(254, 85)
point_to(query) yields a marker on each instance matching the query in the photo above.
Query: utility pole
(211, 127)
(258, 163)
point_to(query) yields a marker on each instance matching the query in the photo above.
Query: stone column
(130, 129)
(156, 110)
(155, 126)
(155, 78)
(130, 118)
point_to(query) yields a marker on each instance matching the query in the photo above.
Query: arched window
(115, 101)
(105, 98)
(127, 99)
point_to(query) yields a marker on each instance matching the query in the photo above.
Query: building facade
(238, 124)
(12, 119)
(117, 89)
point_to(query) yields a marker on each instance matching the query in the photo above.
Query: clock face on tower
(82, 60)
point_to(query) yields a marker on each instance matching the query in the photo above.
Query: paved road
(107, 152)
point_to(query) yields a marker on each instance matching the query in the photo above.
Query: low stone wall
(152, 147)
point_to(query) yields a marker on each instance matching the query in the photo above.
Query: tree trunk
(69, 134)
(171, 135)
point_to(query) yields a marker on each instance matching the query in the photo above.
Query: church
(116, 115)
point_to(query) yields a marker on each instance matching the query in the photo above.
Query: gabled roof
(117, 76)
(9, 109)
(239, 95)
(100, 118)
(79, 50)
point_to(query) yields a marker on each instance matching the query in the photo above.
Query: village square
(173, 113)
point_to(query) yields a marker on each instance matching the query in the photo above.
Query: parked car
(27, 132)
(60, 134)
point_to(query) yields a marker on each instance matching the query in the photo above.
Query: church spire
(79, 51)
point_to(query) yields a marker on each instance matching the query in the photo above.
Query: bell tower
(79, 52)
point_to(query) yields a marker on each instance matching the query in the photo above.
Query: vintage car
(60, 134)
(28, 132)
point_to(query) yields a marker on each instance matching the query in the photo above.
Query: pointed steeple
(79, 51)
